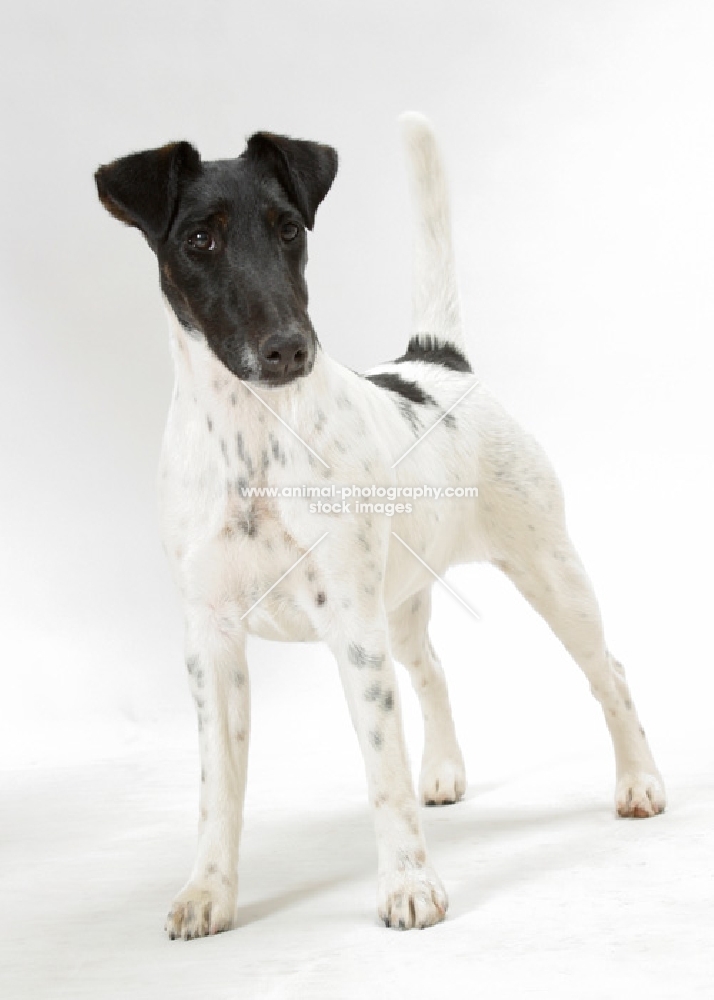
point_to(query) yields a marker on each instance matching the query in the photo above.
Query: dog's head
(230, 239)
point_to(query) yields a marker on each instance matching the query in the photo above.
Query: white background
(579, 142)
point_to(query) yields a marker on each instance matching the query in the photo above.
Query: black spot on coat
(424, 347)
(402, 386)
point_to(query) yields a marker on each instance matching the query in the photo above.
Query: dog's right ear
(142, 189)
(305, 169)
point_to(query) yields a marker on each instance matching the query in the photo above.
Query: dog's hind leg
(553, 580)
(443, 776)
(522, 508)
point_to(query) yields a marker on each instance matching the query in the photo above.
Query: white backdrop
(578, 137)
(580, 149)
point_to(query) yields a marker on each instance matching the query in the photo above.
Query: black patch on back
(403, 386)
(424, 347)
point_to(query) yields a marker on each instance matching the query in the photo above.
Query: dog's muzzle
(284, 357)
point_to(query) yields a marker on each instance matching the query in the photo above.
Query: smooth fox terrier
(258, 404)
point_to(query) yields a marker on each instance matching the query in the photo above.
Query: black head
(230, 239)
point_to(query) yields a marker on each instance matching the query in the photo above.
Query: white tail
(436, 308)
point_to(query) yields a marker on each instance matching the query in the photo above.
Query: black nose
(284, 356)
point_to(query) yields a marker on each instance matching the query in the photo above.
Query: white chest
(238, 544)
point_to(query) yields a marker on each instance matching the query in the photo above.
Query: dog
(259, 407)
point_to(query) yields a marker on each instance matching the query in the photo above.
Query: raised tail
(436, 307)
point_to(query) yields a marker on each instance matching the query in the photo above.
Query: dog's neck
(203, 381)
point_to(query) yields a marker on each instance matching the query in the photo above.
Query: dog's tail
(436, 307)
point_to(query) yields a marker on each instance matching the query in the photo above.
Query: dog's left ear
(305, 169)
(142, 189)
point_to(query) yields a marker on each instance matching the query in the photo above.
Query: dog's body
(271, 566)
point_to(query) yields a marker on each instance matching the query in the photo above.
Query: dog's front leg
(218, 676)
(409, 892)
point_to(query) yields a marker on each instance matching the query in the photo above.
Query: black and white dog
(261, 423)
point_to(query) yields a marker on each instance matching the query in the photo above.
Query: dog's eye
(289, 231)
(201, 240)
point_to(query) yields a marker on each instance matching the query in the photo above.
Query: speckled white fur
(359, 589)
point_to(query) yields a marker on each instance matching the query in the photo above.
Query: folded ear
(305, 169)
(142, 189)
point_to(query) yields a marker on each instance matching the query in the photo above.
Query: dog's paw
(639, 795)
(200, 909)
(442, 780)
(412, 898)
